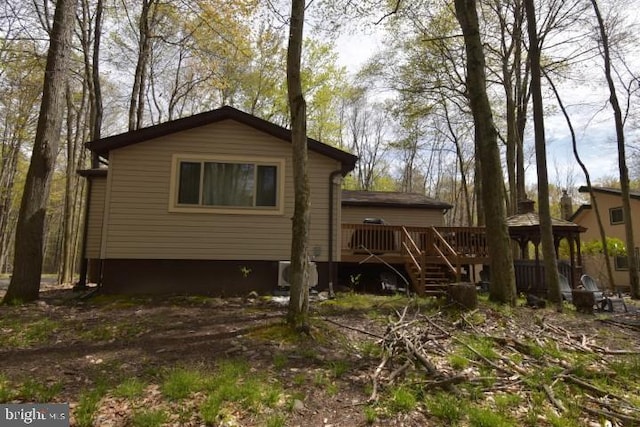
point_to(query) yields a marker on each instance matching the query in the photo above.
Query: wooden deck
(433, 256)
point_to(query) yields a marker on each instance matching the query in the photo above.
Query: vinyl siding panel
(412, 217)
(96, 211)
(594, 264)
(140, 225)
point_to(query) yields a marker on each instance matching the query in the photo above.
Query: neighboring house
(203, 204)
(613, 221)
(395, 208)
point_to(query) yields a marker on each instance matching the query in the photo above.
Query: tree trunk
(544, 211)
(27, 267)
(96, 94)
(297, 315)
(622, 162)
(92, 74)
(594, 201)
(136, 101)
(65, 274)
(503, 288)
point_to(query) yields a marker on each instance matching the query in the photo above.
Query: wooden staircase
(433, 283)
(430, 278)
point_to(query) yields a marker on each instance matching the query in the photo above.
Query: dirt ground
(99, 338)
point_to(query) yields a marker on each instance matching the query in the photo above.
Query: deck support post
(423, 267)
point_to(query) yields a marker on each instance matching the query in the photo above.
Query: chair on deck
(565, 289)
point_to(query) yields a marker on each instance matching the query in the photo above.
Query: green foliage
(109, 332)
(484, 417)
(627, 367)
(280, 360)
(180, 383)
(210, 409)
(458, 362)
(506, 402)
(446, 407)
(88, 406)
(149, 418)
(6, 392)
(276, 420)
(332, 389)
(339, 367)
(18, 333)
(276, 332)
(375, 304)
(369, 349)
(370, 414)
(233, 383)
(130, 388)
(615, 247)
(484, 347)
(402, 399)
(34, 391)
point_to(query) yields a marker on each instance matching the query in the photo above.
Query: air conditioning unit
(284, 277)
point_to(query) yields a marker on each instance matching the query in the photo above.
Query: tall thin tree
(587, 177)
(634, 279)
(27, 266)
(544, 210)
(503, 288)
(297, 315)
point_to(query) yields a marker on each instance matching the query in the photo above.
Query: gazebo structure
(524, 228)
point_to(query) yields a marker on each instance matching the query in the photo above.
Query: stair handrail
(412, 254)
(410, 239)
(412, 248)
(449, 249)
(446, 260)
(413, 258)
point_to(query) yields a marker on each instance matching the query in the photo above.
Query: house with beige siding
(393, 208)
(203, 204)
(613, 220)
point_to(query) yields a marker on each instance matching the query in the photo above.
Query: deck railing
(447, 253)
(381, 239)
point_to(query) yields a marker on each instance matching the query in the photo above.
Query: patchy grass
(446, 407)
(280, 332)
(110, 332)
(375, 305)
(402, 399)
(180, 383)
(88, 404)
(194, 361)
(149, 418)
(131, 388)
(21, 333)
(485, 417)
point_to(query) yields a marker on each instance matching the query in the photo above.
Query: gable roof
(634, 194)
(103, 146)
(581, 208)
(391, 199)
(532, 220)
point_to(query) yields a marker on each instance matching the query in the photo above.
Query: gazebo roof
(531, 220)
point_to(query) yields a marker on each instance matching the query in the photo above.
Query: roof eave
(103, 146)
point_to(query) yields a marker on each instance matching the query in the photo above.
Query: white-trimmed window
(621, 262)
(227, 185)
(616, 216)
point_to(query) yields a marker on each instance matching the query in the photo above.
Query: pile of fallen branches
(415, 343)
